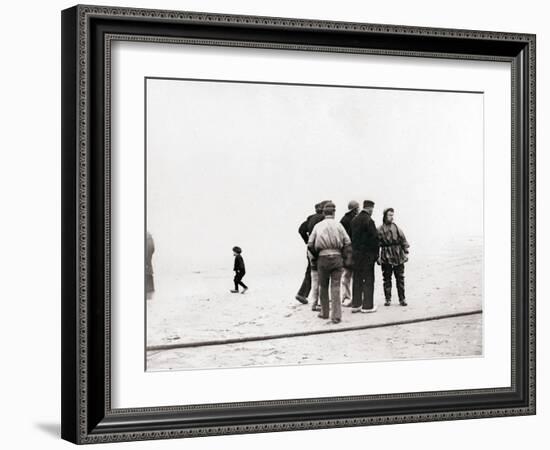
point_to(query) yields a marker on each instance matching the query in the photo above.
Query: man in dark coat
(364, 243)
(305, 230)
(353, 210)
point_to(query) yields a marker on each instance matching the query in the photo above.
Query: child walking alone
(238, 268)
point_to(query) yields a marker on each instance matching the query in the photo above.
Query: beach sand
(199, 307)
(423, 340)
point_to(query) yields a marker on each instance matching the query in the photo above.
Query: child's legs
(238, 280)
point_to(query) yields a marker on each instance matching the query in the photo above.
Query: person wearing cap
(304, 231)
(353, 210)
(240, 271)
(394, 253)
(327, 240)
(365, 249)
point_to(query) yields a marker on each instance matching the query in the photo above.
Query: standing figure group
(343, 255)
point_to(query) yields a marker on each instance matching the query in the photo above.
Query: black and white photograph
(276, 222)
(299, 224)
(275, 225)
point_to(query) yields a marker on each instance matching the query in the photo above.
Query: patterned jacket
(394, 248)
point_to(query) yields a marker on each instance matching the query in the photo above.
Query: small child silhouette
(239, 269)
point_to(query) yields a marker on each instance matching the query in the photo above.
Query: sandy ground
(415, 341)
(199, 307)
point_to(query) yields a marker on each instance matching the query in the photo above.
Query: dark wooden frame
(87, 32)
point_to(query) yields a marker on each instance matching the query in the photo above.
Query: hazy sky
(243, 164)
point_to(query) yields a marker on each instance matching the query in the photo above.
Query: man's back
(346, 221)
(307, 225)
(313, 220)
(364, 235)
(329, 235)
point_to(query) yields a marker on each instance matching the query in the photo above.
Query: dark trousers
(330, 268)
(238, 280)
(363, 281)
(399, 273)
(306, 284)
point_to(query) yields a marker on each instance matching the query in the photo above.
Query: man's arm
(372, 230)
(380, 236)
(344, 236)
(302, 230)
(311, 242)
(404, 243)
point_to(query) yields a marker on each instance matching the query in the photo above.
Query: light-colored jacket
(328, 237)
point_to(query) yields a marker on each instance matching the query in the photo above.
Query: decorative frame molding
(87, 35)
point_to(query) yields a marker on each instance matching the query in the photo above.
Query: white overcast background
(243, 164)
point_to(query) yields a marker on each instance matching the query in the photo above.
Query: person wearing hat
(353, 210)
(326, 242)
(394, 253)
(365, 249)
(304, 231)
(240, 271)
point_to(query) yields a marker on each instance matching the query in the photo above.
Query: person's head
(236, 251)
(368, 205)
(388, 215)
(319, 208)
(329, 208)
(353, 206)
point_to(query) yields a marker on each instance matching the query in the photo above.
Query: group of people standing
(343, 255)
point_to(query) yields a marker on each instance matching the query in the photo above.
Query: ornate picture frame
(87, 35)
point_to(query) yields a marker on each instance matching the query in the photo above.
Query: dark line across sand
(334, 329)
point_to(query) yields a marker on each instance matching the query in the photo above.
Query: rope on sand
(335, 329)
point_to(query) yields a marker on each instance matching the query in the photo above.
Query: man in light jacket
(327, 241)
(304, 231)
